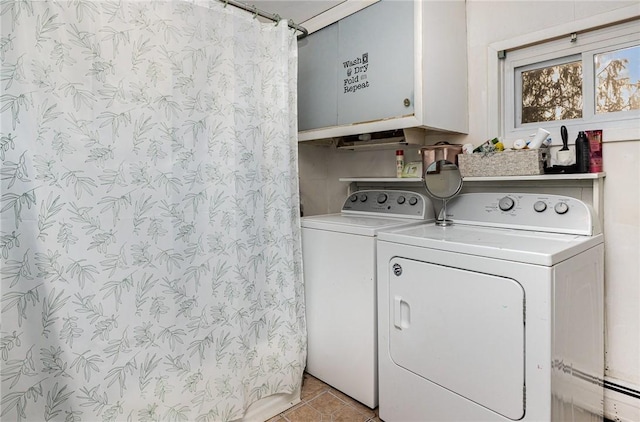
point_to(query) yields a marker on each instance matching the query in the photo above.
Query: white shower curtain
(151, 265)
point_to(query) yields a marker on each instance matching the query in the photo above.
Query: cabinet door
(317, 73)
(375, 68)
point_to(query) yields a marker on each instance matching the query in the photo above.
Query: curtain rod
(271, 16)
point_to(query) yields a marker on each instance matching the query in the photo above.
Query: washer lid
(507, 244)
(356, 224)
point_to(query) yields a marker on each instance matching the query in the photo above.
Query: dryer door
(460, 329)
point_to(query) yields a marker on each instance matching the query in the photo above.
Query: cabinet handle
(407, 102)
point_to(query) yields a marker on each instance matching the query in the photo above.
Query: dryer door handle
(401, 313)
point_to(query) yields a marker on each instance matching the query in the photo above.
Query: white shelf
(550, 177)
(541, 177)
(381, 179)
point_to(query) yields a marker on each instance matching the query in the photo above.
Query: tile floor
(321, 403)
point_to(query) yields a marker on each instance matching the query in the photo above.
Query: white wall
(494, 21)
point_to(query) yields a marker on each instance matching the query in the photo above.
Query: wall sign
(356, 74)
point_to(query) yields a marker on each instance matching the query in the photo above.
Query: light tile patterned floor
(321, 403)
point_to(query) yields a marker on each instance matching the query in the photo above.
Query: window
(617, 80)
(550, 91)
(587, 80)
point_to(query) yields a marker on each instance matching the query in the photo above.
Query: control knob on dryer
(561, 208)
(382, 198)
(540, 206)
(506, 203)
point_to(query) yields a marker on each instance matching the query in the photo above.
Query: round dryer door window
(461, 330)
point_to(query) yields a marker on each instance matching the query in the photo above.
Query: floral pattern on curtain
(151, 265)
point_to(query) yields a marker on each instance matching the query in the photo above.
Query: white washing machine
(498, 317)
(339, 261)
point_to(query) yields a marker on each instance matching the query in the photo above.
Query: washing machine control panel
(389, 203)
(538, 212)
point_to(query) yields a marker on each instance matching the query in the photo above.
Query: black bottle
(582, 153)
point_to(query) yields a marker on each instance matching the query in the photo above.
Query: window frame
(595, 35)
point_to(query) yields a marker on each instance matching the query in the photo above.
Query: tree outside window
(555, 92)
(617, 76)
(552, 93)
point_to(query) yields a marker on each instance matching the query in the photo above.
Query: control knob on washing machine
(353, 198)
(382, 198)
(401, 199)
(413, 200)
(506, 203)
(363, 197)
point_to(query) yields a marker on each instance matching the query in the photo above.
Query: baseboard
(621, 401)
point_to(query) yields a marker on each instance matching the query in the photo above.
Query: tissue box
(524, 162)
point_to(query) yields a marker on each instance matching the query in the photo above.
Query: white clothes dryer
(339, 265)
(498, 317)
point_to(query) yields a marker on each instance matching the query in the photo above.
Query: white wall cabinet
(393, 65)
(317, 79)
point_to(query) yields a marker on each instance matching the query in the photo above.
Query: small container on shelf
(595, 150)
(440, 151)
(524, 162)
(582, 153)
(399, 162)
